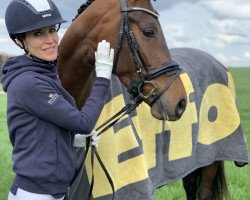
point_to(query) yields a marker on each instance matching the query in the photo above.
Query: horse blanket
(142, 153)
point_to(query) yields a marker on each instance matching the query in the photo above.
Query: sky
(218, 27)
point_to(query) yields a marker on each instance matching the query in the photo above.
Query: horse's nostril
(180, 108)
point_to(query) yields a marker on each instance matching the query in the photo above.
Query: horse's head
(142, 61)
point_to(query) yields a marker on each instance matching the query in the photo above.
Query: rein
(170, 68)
(127, 109)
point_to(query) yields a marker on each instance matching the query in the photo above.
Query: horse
(155, 78)
(143, 64)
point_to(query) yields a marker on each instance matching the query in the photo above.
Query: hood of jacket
(16, 65)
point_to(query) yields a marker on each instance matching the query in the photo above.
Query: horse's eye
(148, 32)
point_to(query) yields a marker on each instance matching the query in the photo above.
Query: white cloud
(228, 9)
(4, 39)
(218, 44)
(229, 39)
(2, 23)
(231, 27)
(164, 5)
(226, 59)
(247, 54)
(225, 26)
(173, 32)
(182, 28)
(177, 37)
(229, 31)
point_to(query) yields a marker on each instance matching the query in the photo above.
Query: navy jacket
(42, 121)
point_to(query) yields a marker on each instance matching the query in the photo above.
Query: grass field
(237, 178)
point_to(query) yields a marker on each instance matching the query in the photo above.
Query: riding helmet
(27, 15)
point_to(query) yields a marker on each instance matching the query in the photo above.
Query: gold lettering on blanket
(181, 130)
(224, 101)
(148, 128)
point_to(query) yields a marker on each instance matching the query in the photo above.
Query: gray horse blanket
(142, 153)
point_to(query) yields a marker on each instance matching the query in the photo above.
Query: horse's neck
(76, 66)
(76, 63)
(76, 72)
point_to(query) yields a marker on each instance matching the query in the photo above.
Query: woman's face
(43, 43)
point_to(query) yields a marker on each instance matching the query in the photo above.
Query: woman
(42, 117)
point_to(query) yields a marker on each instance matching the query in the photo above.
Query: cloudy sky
(219, 27)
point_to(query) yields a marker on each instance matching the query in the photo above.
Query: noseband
(136, 86)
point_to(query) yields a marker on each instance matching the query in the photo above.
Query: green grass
(6, 174)
(237, 178)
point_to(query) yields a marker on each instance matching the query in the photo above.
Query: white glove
(80, 139)
(95, 139)
(104, 57)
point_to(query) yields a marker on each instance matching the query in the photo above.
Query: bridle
(170, 68)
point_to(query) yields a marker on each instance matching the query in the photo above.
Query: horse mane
(83, 7)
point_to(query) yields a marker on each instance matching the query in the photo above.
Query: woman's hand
(80, 139)
(104, 57)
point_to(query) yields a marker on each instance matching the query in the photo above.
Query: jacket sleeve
(39, 98)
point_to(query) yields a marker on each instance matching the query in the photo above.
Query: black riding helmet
(27, 15)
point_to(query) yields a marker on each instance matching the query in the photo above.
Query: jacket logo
(52, 98)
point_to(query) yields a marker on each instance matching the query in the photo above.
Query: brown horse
(143, 62)
(140, 54)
